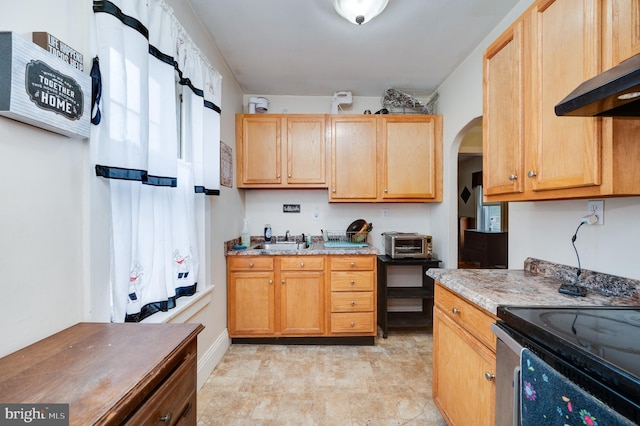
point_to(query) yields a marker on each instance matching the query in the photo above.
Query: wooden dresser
(109, 373)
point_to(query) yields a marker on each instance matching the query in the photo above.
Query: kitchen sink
(280, 246)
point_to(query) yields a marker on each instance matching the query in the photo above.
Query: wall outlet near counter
(596, 207)
(385, 214)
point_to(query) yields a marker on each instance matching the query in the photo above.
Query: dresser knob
(166, 419)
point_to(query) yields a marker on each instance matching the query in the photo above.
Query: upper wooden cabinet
(276, 151)
(386, 158)
(626, 29)
(529, 152)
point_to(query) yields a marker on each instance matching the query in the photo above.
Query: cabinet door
(251, 304)
(353, 158)
(460, 389)
(306, 149)
(410, 150)
(566, 39)
(302, 303)
(626, 29)
(503, 130)
(259, 145)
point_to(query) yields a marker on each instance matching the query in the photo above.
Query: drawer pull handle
(353, 303)
(166, 419)
(353, 324)
(302, 264)
(489, 376)
(250, 264)
(187, 410)
(455, 311)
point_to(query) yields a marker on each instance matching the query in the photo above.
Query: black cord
(573, 243)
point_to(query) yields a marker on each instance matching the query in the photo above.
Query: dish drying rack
(343, 239)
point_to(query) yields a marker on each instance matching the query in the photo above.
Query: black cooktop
(602, 343)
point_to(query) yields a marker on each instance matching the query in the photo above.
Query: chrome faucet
(287, 236)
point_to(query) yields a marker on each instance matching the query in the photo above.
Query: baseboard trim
(212, 357)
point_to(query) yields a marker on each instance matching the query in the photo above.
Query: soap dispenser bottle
(245, 234)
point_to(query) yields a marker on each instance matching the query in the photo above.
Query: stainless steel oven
(595, 348)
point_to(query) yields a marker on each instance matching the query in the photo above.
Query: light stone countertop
(317, 248)
(489, 288)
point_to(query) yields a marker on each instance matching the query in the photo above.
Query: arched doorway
(482, 227)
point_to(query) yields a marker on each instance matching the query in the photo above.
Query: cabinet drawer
(356, 322)
(174, 400)
(472, 318)
(298, 263)
(352, 281)
(249, 263)
(348, 301)
(352, 263)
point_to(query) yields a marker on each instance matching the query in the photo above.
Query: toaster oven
(398, 245)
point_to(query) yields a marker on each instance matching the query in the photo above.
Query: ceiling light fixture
(359, 11)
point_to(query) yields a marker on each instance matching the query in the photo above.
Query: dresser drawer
(355, 322)
(471, 317)
(250, 263)
(174, 401)
(352, 263)
(352, 281)
(299, 263)
(352, 301)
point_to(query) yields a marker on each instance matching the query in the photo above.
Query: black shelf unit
(423, 318)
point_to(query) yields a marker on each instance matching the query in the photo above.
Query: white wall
(540, 229)
(54, 221)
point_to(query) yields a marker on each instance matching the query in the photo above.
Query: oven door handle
(516, 395)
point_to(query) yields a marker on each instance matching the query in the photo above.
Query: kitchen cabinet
(423, 292)
(353, 297)
(302, 295)
(251, 296)
(464, 361)
(552, 48)
(127, 373)
(281, 151)
(386, 158)
(626, 29)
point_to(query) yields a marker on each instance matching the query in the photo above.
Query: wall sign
(42, 90)
(59, 49)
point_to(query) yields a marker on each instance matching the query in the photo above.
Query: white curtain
(154, 175)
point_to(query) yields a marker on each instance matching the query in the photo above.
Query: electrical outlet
(385, 214)
(596, 207)
(316, 214)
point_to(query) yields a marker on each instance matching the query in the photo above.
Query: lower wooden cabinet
(109, 374)
(301, 296)
(463, 360)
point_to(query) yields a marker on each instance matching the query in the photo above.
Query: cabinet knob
(386, 190)
(353, 264)
(250, 264)
(289, 175)
(282, 282)
(302, 264)
(489, 376)
(532, 174)
(353, 303)
(353, 282)
(455, 311)
(333, 190)
(353, 324)
(270, 281)
(278, 175)
(513, 177)
(166, 419)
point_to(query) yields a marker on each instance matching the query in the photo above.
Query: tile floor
(386, 384)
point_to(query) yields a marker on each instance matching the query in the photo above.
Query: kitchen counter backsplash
(605, 284)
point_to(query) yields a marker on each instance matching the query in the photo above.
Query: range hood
(614, 93)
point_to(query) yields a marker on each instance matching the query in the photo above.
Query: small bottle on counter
(267, 233)
(246, 238)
